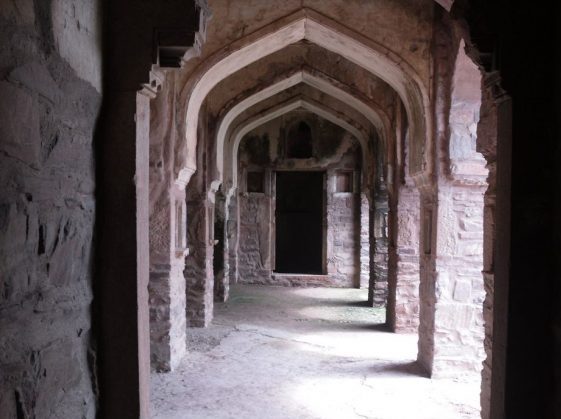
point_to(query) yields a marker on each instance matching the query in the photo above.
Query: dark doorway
(299, 222)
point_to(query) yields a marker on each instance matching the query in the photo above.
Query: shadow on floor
(342, 303)
(368, 327)
(402, 368)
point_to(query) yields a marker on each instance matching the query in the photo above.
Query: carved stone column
(198, 272)
(167, 284)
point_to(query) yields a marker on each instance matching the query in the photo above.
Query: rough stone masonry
(50, 94)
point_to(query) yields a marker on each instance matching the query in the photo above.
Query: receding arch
(279, 110)
(375, 114)
(307, 24)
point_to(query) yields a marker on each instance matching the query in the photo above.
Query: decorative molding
(184, 177)
(211, 194)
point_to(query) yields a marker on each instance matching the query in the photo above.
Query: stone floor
(276, 352)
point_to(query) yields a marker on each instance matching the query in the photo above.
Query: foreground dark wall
(524, 42)
(50, 73)
(528, 62)
(122, 185)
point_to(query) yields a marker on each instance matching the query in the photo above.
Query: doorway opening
(299, 222)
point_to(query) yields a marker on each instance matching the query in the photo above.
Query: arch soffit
(322, 31)
(376, 116)
(299, 103)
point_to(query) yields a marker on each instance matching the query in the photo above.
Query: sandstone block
(462, 291)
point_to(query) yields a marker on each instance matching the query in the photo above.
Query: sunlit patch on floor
(304, 353)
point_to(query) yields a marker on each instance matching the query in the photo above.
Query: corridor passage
(276, 352)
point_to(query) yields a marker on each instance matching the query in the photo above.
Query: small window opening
(344, 182)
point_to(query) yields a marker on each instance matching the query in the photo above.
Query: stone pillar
(403, 282)
(123, 253)
(494, 141)
(122, 149)
(198, 272)
(427, 273)
(364, 241)
(221, 281)
(378, 288)
(167, 284)
(451, 332)
(488, 309)
(231, 237)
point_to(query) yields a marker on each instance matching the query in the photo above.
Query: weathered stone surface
(232, 240)
(487, 136)
(343, 237)
(364, 241)
(20, 11)
(37, 78)
(19, 132)
(404, 279)
(77, 36)
(198, 265)
(167, 295)
(221, 276)
(255, 238)
(379, 253)
(451, 332)
(47, 118)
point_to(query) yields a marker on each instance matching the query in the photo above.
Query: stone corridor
(274, 352)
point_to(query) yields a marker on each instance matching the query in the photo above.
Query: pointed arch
(277, 111)
(374, 114)
(310, 25)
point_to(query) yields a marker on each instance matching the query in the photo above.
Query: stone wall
(334, 150)
(49, 102)
(343, 237)
(255, 238)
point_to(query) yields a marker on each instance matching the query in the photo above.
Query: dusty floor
(304, 353)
